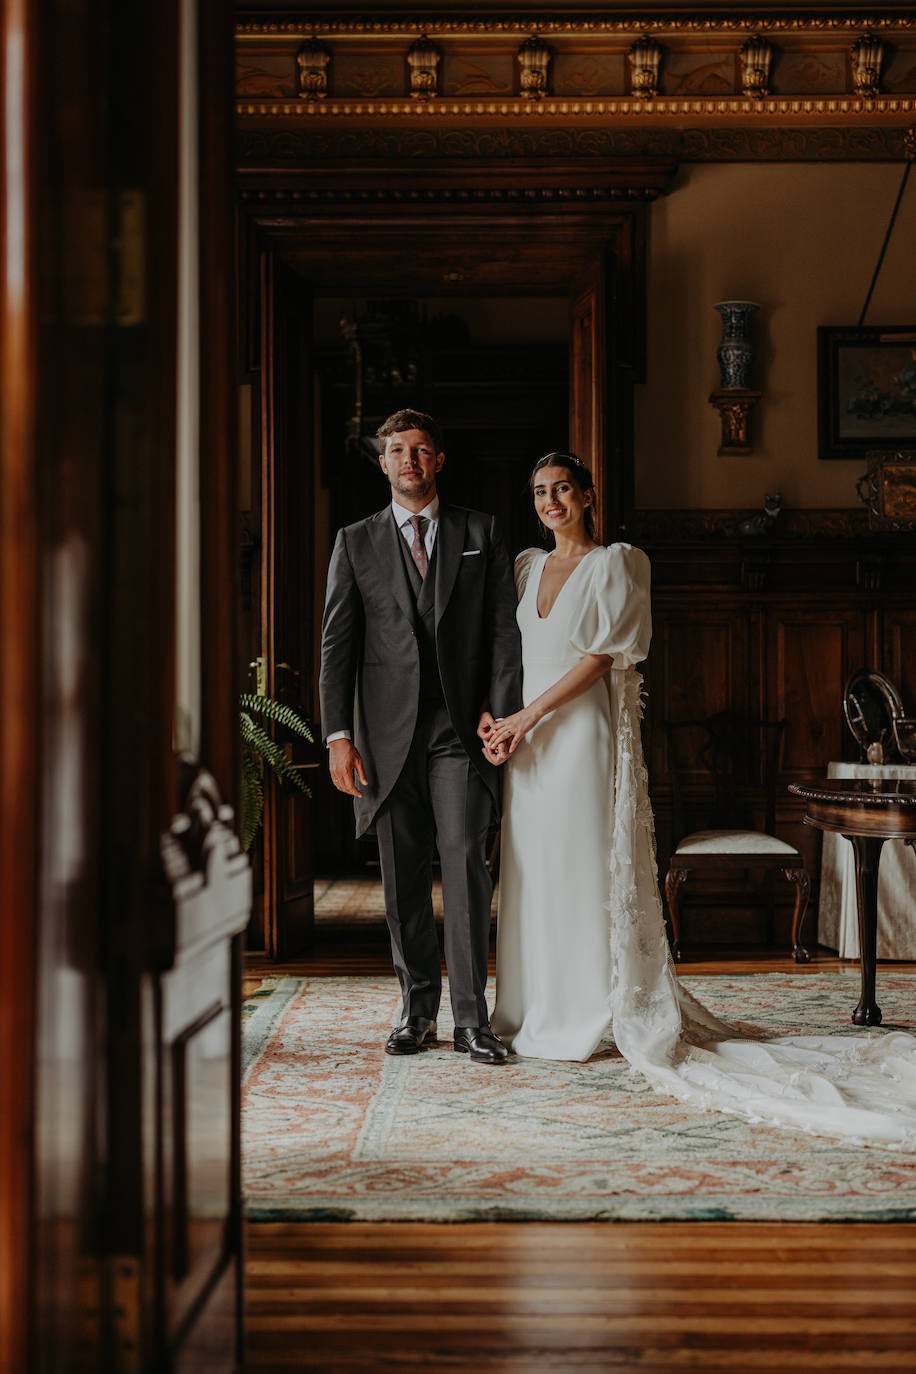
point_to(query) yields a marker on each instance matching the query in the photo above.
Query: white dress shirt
(402, 518)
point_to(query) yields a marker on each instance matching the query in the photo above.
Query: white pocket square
(470, 553)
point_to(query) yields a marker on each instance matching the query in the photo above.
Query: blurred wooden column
(19, 654)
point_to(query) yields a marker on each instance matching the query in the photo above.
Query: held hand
(507, 735)
(486, 725)
(344, 760)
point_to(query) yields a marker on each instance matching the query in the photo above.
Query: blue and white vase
(734, 352)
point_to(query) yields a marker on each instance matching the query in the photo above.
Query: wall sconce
(734, 400)
(756, 58)
(423, 58)
(644, 58)
(534, 59)
(868, 53)
(312, 62)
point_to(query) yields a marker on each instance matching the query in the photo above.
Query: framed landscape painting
(866, 384)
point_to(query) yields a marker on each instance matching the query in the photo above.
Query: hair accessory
(561, 453)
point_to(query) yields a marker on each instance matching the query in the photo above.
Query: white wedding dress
(581, 941)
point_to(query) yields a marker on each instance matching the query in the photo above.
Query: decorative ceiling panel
(609, 69)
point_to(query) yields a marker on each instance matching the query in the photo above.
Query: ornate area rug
(361, 901)
(335, 1129)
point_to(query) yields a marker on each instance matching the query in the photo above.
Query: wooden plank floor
(334, 955)
(527, 1297)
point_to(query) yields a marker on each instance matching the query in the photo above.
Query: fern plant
(258, 749)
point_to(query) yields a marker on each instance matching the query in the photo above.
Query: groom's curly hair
(411, 419)
(563, 458)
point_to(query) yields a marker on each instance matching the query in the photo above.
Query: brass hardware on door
(258, 666)
(289, 668)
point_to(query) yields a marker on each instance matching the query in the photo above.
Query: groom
(420, 647)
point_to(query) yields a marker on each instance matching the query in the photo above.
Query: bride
(581, 939)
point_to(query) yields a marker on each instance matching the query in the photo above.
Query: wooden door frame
(55, 282)
(286, 478)
(549, 219)
(19, 696)
(542, 222)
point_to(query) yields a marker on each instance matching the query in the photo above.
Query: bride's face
(559, 501)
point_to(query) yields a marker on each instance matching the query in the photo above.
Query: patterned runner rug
(335, 1129)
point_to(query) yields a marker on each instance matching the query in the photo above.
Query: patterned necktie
(418, 524)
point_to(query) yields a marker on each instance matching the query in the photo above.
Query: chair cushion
(733, 842)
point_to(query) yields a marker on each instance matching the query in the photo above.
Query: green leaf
(284, 715)
(252, 798)
(259, 742)
(259, 748)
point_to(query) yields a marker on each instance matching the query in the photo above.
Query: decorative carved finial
(534, 59)
(734, 407)
(756, 60)
(644, 58)
(423, 58)
(868, 53)
(312, 63)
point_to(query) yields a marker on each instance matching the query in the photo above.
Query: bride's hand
(507, 734)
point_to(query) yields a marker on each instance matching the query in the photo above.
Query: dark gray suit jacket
(370, 670)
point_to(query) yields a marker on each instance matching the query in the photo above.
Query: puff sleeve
(524, 562)
(615, 616)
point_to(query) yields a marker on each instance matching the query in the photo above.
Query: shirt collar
(402, 515)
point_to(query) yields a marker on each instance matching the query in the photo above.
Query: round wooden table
(867, 813)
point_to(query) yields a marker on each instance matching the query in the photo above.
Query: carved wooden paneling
(812, 652)
(778, 644)
(782, 646)
(899, 653)
(698, 666)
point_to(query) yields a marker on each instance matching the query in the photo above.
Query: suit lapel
(450, 543)
(385, 537)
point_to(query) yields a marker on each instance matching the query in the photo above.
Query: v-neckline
(537, 589)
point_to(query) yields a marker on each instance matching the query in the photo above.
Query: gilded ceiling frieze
(545, 23)
(298, 146)
(729, 106)
(757, 67)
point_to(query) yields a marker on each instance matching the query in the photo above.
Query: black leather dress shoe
(481, 1044)
(411, 1035)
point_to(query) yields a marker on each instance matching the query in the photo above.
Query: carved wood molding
(729, 106)
(280, 198)
(293, 147)
(330, 66)
(545, 22)
(823, 144)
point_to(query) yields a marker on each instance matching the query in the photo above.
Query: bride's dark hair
(580, 474)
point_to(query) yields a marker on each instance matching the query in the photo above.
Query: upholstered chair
(740, 759)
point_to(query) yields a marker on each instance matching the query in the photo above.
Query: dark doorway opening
(494, 372)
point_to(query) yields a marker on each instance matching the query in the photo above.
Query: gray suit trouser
(439, 800)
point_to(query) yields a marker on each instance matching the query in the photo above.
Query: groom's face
(410, 462)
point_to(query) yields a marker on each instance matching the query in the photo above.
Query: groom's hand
(485, 727)
(344, 759)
